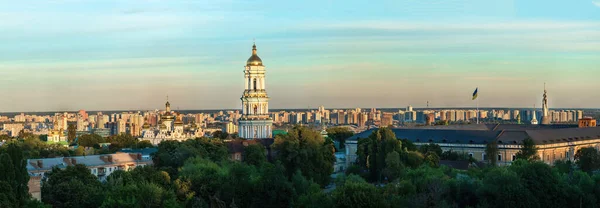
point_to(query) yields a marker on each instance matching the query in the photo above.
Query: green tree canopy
(90, 140)
(588, 159)
(122, 141)
(503, 188)
(357, 194)
(339, 134)
(543, 182)
(305, 150)
(171, 155)
(255, 154)
(431, 147)
(491, 152)
(13, 177)
(528, 150)
(71, 132)
(394, 166)
(372, 151)
(74, 186)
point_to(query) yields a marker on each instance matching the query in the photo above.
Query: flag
(475, 94)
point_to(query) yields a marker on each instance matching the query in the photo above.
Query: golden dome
(178, 122)
(254, 60)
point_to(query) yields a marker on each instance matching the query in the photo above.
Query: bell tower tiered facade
(255, 122)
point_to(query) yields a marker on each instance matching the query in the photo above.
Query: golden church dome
(254, 60)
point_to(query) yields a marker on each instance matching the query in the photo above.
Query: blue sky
(129, 54)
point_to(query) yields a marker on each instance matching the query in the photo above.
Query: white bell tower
(255, 122)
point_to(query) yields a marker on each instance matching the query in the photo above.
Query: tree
(144, 144)
(432, 159)
(502, 188)
(309, 193)
(563, 166)
(543, 183)
(74, 186)
(273, 187)
(528, 150)
(305, 150)
(372, 151)
(255, 154)
(491, 151)
(412, 159)
(79, 151)
(454, 156)
(13, 177)
(339, 134)
(394, 166)
(32, 147)
(140, 194)
(588, 159)
(408, 145)
(219, 134)
(357, 194)
(71, 132)
(171, 155)
(431, 147)
(5, 137)
(90, 140)
(122, 141)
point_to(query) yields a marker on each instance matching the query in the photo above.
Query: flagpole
(477, 100)
(477, 114)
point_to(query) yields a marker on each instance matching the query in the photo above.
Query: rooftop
(45, 164)
(482, 134)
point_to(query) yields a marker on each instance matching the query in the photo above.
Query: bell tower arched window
(254, 83)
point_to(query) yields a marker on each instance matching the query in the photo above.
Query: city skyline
(130, 55)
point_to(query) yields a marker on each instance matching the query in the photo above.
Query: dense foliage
(588, 159)
(33, 147)
(306, 151)
(13, 177)
(339, 134)
(528, 151)
(74, 186)
(199, 173)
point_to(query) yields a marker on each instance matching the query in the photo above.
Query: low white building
(100, 165)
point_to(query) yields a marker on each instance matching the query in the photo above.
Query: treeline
(87, 144)
(391, 174)
(200, 173)
(388, 173)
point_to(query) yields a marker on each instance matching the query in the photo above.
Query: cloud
(102, 65)
(448, 26)
(597, 3)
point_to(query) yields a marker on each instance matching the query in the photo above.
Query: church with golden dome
(171, 127)
(255, 122)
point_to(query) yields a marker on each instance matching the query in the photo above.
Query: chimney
(139, 156)
(73, 161)
(110, 158)
(40, 163)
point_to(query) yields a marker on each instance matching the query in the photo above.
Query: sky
(63, 55)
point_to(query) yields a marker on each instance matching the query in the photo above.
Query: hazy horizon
(65, 55)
